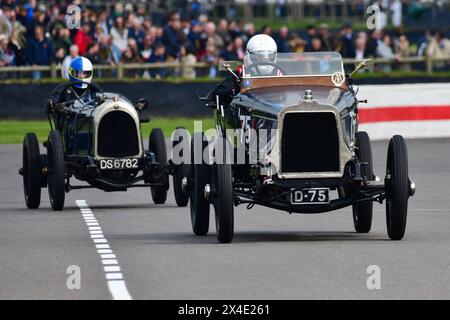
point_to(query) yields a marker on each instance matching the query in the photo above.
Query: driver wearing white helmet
(259, 61)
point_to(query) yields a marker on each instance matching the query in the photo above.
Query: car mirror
(141, 105)
(226, 65)
(362, 65)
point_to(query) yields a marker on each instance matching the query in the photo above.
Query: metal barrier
(119, 71)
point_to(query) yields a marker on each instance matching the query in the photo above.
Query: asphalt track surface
(274, 255)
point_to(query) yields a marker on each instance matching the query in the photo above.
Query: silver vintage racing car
(303, 152)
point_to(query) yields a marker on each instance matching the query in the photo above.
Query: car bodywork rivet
(207, 191)
(412, 188)
(184, 184)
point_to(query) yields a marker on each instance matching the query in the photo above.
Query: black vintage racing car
(98, 141)
(312, 158)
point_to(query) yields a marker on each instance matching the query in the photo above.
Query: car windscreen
(292, 64)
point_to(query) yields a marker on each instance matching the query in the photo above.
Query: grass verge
(13, 131)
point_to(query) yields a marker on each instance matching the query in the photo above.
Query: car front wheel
(157, 145)
(397, 188)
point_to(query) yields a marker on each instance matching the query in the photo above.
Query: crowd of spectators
(32, 33)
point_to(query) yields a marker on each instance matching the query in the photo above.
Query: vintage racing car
(98, 141)
(312, 159)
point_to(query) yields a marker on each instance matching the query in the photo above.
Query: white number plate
(311, 196)
(118, 164)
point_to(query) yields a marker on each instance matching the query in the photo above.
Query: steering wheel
(94, 87)
(254, 66)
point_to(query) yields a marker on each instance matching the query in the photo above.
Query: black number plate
(311, 196)
(118, 164)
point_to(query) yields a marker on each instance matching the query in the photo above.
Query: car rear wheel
(31, 171)
(397, 188)
(181, 170)
(199, 177)
(56, 170)
(362, 211)
(223, 203)
(157, 145)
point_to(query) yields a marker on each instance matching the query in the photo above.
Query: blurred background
(168, 51)
(186, 38)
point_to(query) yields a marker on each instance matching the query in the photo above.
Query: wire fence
(193, 70)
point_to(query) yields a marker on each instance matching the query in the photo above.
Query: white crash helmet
(80, 69)
(261, 48)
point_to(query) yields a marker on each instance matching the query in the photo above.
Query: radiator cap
(308, 95)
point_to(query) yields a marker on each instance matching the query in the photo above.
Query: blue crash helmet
(80, 69)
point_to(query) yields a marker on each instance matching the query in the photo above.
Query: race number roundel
(338, 78)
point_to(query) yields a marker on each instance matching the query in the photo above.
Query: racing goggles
(263, 56)
(80, 74)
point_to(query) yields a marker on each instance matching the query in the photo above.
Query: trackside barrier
(412, 110)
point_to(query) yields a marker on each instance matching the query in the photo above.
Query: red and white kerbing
(412, 110)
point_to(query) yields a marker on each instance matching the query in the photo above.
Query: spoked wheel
(181, 170)
(199, 177)
(397, 188)
(362, 211)
(31, 171)
(222, 199)
(157, 144)
(56, 170)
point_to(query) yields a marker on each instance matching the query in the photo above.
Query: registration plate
(311, 196)
(118, 164)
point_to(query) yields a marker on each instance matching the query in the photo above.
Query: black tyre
(32, 171)
(199, 176)
(362, 212)
(397, 188)
(223, 203)
(56, 170)
(181, 170)
(157, 144)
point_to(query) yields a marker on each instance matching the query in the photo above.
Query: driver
(261, 49)
(80, 75)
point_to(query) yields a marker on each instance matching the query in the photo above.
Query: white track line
(113, 274)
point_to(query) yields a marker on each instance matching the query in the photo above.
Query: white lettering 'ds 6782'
(111, 164)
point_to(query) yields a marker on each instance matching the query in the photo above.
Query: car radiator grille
(309, 143)
(117, 136)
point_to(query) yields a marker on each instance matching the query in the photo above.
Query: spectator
(384, 50)
(326, 37)
(282, 40)
(187, 59)
(15, 44)
(239, 48)
(249, 31)
(266, 30)
(311, 33)
(229, 53)
(136, 31)
(119, 36)
(360, 48)
(223, 31)
(402, 50)
(6, 54)
(40, 51)
(373, 42)
(170, 36)
(130, 55)
(73, 53)
(82, 38)
(347, 41)
(297, 44)
(158, 55)
(439, 47)
(316, 45)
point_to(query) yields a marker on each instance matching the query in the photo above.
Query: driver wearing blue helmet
(80, 73)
